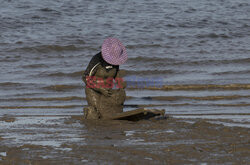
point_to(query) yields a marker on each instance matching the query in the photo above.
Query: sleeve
(121, 83)
(90, 70)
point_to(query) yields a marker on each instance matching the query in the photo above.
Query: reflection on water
(45, 130)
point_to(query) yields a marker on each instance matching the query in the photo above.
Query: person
(99, 77)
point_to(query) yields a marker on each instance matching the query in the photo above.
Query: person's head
(113, 51)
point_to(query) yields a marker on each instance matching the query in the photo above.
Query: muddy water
(62, 140)
(190, 58)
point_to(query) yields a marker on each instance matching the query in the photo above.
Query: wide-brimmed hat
(113, 51)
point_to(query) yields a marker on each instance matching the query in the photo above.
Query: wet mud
(109, 106)
(155, 141)
(103, 107)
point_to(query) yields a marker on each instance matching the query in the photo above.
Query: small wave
(47, 48)
(150, 59)
(245, 25)
(149, 72)
(233, 61)
(170, 25)
(190, 10)
(62, 74)
(212, 105)
(222, 22)
(50, 11)
(10, 84)
(209, 98)
(239, 5)
(212, 35)
(62, 87)
(233, 105)
(41, 107)
(35, 66)
(232, 72)
(178, 62)
(189, 104)
(142, 105)
(143, 46)
(47, 10)
(201, 87)
(70, 98)
(38, 17)
(14, 85)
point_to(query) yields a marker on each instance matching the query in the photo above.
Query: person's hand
(106, 92)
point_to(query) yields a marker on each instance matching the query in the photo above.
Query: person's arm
(121, 83)
(86, 76)
(92, 81)
(89, 76)
(91, 68)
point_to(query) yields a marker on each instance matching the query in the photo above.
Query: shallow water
(198, 51)
(62, 139)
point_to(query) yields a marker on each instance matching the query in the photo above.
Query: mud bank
(168, 141)
(7, 118)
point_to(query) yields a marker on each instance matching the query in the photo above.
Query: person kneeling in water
(101, 72)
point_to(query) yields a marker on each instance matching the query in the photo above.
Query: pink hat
(113, 51)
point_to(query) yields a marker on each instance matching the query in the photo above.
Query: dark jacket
(94, 62)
